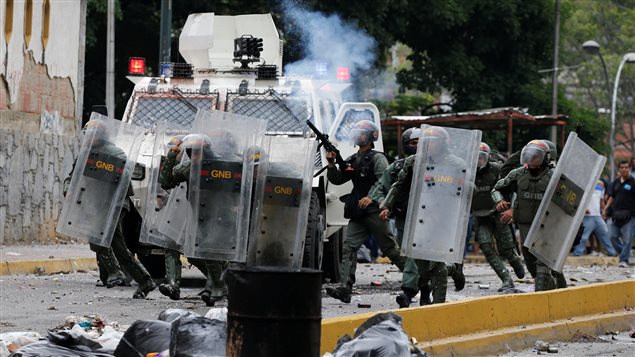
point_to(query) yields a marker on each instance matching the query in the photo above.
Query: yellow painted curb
(50, 266)
(586, 260)
(492, 313)
(524, 337)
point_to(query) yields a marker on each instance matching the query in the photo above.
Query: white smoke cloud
(327, 38)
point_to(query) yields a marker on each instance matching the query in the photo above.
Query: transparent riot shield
(441, 194)
(157, 198)
(175, 218)
(100, 180)
(220, 185)
(281, 202)
(564, 203)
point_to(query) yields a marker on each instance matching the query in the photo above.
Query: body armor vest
(531, 190)
(363, 176)
(486, 178)
(401, 205)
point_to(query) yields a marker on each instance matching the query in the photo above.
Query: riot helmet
(553, 150)
(535, 154)
(364, 132)
(97, 130)
(195, 143)
(483, 155)
(409, 140)
(436, 140)
(223, 143)
(174, 141)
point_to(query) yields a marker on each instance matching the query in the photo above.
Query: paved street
(39, 303)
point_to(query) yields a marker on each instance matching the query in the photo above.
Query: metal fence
(176, 106)
(285, 113)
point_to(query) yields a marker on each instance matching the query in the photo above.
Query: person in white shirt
(593, 223)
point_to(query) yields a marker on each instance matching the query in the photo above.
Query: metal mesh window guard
(285, 113)
(351, 117)
(173, 105)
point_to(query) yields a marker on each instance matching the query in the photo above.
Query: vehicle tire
(333, 257)
(313, 243)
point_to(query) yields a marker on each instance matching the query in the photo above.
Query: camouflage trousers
(357, 232)
(487, 229)
(543, 275)
(434, 279)
(118, 253)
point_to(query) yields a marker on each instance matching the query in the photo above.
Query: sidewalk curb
(482, 326)
(46, 267)
(571, 261)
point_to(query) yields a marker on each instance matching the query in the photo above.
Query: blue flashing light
(165, 69)
(321, 68)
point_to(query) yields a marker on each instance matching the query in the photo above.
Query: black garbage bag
(170, 315)
(48, 348)
(380, 336)
(143, 337)
(198, 337)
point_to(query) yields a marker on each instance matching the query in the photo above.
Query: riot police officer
(171, 175)
(363, 168)
(529, 183)
(118, 248)
(489, 226)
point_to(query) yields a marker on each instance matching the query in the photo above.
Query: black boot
(340, 293)
(424, 298)
(518, 267)
(170, 290)
(458, 277)
(144, 290)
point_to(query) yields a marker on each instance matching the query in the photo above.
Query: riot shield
(157, 199)
(220, 185)
(281, 202)
(175, 218)
(441, 194)
(100, 180)
(564, 203)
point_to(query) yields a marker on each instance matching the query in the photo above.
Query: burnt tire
(313, 242)
(333, 257)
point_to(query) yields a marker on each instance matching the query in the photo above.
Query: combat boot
(340, 293)
(508, 284)
(116, 279)
(517, 265)
(424, 297)
(457, 276)
(210, 300)
(544, 281)
(170, 290)
(144, 289)
(561, 281)
(404, 299)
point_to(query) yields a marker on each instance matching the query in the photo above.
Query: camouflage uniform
(529, 191)
(488, 225)
(409, 282)
(434, 274)
(170, 176)
(118, 249)
(367, 167)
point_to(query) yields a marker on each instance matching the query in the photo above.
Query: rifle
(328, 146)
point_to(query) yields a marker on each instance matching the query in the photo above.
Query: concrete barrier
(50, 266)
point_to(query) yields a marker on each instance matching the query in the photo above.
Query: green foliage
(404, 104)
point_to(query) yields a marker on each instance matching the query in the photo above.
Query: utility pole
(165, 42)
(110, 59)
(554, 89)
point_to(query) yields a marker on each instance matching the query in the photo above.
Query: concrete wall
(41, 91)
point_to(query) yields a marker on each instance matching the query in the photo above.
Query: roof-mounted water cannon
(247, 50)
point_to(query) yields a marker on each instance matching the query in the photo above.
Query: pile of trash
(380, 336)
(176, 333)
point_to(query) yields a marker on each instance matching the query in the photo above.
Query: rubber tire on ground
(333, 257)
(313, 242)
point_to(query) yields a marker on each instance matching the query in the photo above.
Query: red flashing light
(137, 66)
(342, 74)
